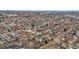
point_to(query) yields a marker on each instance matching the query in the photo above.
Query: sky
(39, 4)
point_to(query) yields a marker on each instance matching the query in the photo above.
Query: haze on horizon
(39, 4)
